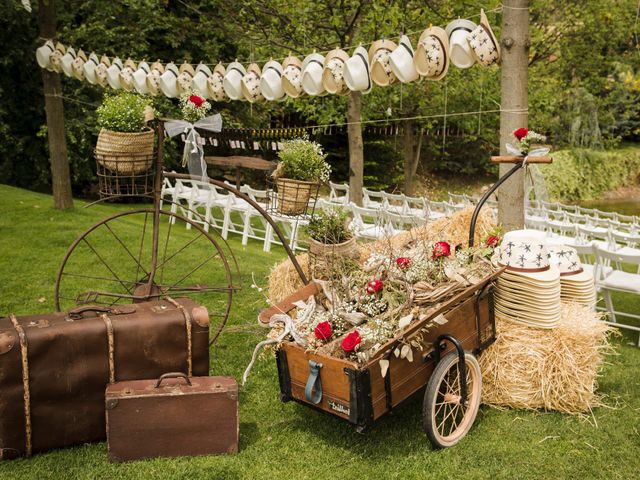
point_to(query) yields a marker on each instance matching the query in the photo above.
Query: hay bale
(284, 280)
(549, 369)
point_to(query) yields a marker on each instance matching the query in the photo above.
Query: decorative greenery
(123, 112)
(329, 226)
(304, 160)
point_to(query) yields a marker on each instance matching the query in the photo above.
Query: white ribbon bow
(193, 153)
(536, 152)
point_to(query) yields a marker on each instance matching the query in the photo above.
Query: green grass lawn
(290, 441)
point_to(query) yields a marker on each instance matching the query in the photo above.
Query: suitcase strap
(313, 390)
(187, 321)
(25, 383)
(110, 343)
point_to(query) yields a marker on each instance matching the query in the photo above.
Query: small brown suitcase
(173, 416)
(54, 367)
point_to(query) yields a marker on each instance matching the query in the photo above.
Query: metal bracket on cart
(462, 367)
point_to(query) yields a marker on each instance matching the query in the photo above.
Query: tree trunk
(60, 176)
(514, 103)
(356, 147)
(411, 155)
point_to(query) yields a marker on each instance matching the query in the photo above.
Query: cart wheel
(445, 419)
(111, 263)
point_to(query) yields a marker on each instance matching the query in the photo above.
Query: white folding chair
(438, 209)
(204, 196)
(367, 222)
(371, 198)
(395, 202)
(339, 193)
(400, 222)
(619, 279)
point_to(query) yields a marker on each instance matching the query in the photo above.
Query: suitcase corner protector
(111, 403)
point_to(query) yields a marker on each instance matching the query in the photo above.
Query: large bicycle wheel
(446, 419)
(113, 263)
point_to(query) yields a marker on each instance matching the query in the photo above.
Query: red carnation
(441, 249)
(403, 262)
(196, 100)
(520, 133)
(493, 241)
(323, 331)
(351, 341)
(374, 286)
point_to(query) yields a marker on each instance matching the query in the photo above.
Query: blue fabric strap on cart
(313, 390)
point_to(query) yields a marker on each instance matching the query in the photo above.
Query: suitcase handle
(77, 313)
(173, 375)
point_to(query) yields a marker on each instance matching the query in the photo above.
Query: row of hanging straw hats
(462, 43)
(537, 277)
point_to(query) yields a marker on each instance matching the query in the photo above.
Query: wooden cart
(361, 395)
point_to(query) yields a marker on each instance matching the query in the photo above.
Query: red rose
(323, 331)
(441, 249)
(520, 133)
(374, 286)
(196, 100)
(403, 262)
(493, 241)
(351, 341)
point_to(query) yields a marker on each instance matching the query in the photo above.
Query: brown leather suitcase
(171, 417)
(54, 368)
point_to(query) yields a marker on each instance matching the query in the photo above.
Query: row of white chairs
(578, 214)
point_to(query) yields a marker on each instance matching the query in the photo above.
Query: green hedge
(582, 174)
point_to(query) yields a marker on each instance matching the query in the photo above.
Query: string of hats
(462, 43)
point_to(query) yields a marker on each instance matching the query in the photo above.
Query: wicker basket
(125, 153)
(344, 249)
(294, 195)
(325, 259)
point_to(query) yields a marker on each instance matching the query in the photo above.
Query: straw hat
(251, 84)
(203, 72)
(100, 72)
(232, 82)
(333, 72)
(55, 64)
(140, 78)
(168, 81)
(89, 67)
(215, 85)
(525, 253)
(381, 72)
(185, 78)
(43, 54)
(78, 63)
(401, 61)
(576, 284)
(312, 69)
(126, 75)
(357, 76)
(153, 79)
(484, 44)
(66, 62)
(459, 48)
(292, 76)
(113, 73)
(271, 81)
(432, 54)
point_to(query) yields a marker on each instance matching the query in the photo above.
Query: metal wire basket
(130, 175)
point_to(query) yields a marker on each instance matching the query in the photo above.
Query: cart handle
(313, 389)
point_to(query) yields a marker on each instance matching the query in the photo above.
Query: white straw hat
(381, 72)
(251, 84)
(100, 72)
(185, 78)
(66, 62)
(215, 84)
(484, 44)
(168, 81)
(569, 264)
(113, 73)
(312, 68)
(357, 76)
(153, 79)
(43, 54)
(432, 54)
(126, 75)
(78, 64)
(200, 83)
(401, 61)
(232, 82)
(271, 81)
(140, 78)
(459, 48)
(525, 253)
(292, 76)
(55, 59)
(89, 67)
(333, 72)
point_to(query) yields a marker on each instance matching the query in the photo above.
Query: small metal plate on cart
(440, 319)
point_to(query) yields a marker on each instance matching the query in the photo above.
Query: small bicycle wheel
(445, 418)
(117, 261)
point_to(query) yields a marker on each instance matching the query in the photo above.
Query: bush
(301, 159)
(329, 227)
(123, 112)
(582, 174)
